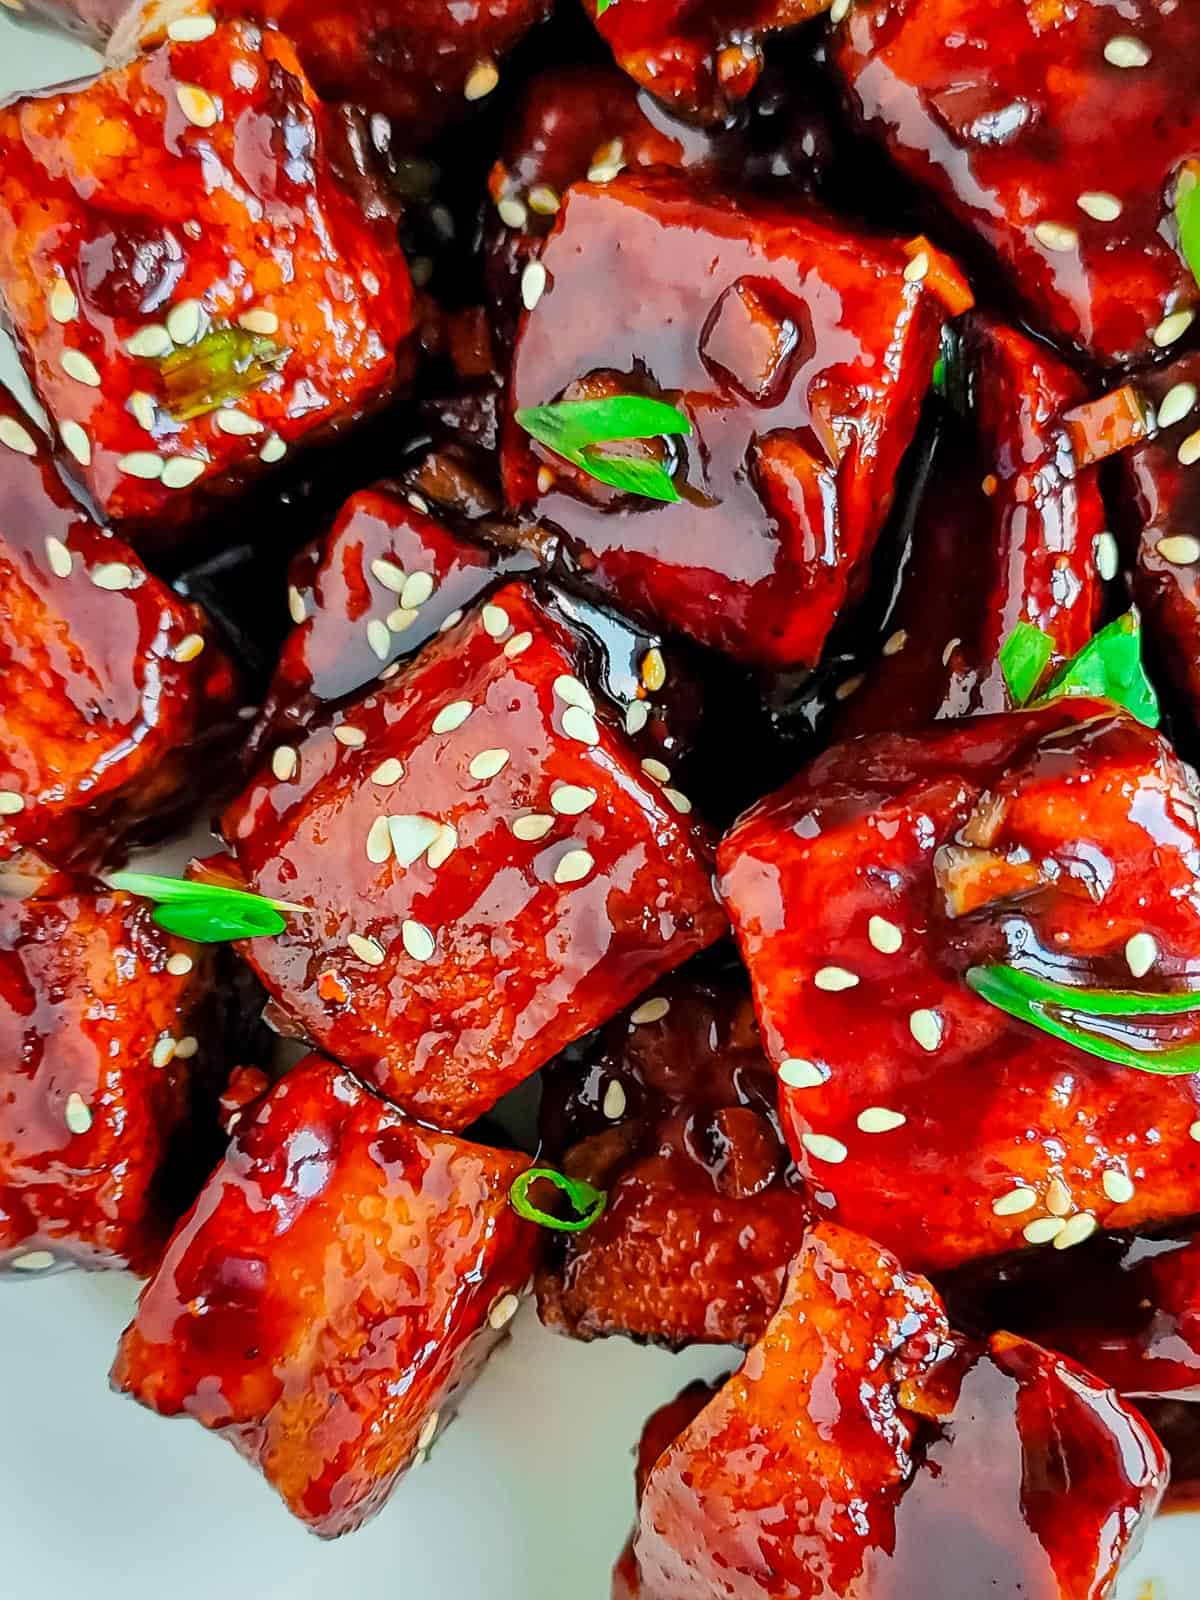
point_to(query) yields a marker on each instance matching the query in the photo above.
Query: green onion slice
(577, 430)
(1187, 215)
(1109, 667)
(225, 364)
(1024, 656)
(587, 1201)
(208, 913)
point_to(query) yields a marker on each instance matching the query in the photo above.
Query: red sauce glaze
(87, 1117)
(1011, 112)
(700, 56)
(495, 956)
(861, 893)
(110, 684)
(169, 199)
(1007, 532)
(862, 1451)
(330, 1292)
(674, 1116)
(800, 354)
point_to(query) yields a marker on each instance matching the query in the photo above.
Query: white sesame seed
(656, 770)
(197, 105)
(191, 30)
(1043, 1229)
(880, 1119)
(17, 437)
(895, 642)
(188, 648)
(614, 1102)
(284, 762)
(401, 618)
(580, 725)
(481, 80)
(797, 1073)
(142, 408)
(379, 639)
(389, 574)
(884, 935)
(76, 441)
(951, 646)
(573, 867)
(428, 1432)
(418, 587)
(1189, 450)
(636, 717)
(80, 367)
(1176, 404)
(680, 801)
(149, 342)
(1172, 328)
(368, 950)
(533, 284)
(259, 320)
(518, 645)
(605, 173)
(452, 620)
(164, 1050)
(534, 825)
(503, 1311)
(1194, 1131)
(1180, 549)
(179, 965)
(11, 803)
(61, 301)
(545, 480)
(488, 763)
(1077, 1228)
(511, 212)
(1108, 557)
(495, 620)
(112, 575)
(187, 1047)
(236, 423)
(142, 464)
(78, 1116)
(654, 670)
(32, 1260)
(824, 1148)
(1141, 952)
(834, 979)
(926, 1028)
(1014, 1202)
(917, 268)
(274, 450)
(417, 939)
(296, 607)
(346, 734)
(185, 321)
(379, 841)
(59, 557)
(1123, 50)
(412, 836)
(839, 11)
(1118, 1187)
(850, 686)
(180, 472)
(444, 846)
(544, 200)
(650, 1011)
(452, 716)
(1058, 1198)
(388, 772)
(1056, 236)
(571, 799)
(1099, 204)
(573, 693)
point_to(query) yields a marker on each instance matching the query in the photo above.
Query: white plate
(528, 1497)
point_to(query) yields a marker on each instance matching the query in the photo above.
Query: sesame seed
(197, 105)
(112, 575)
(1123, 50)
(1058, 1198)
(11, 803)
(545, 480)
(495, 621)
(418, 587)
(850, 686)
(59, 557)
(401, 618)
(451, 621)
(61, 301)
(444, 846)
(884, 935)
(824, 1147)
(428, 1432)
(187, 1047)
(388, 772)
(481, 80)
(571, 800)
(76, 441)
(1056, 236)
(284, 762)
(917, 268)
(259, 320)
(32, 1260)
(179, 965)
(1176, 404)
(185, 321)
(296, 607)
(614, 1102)
(149, 342)
(1043, 1229)
(636, 717)
(656, 770)
(533, 284)
(503, 1311)
(573, 693)
(1180, 549)
(604, 173)
(188, 648)
(368, 950)
(17, 437)
(679, 800)
(274, 450)
(1194, 1131)
(573, 867)
(164, 1051)
(142, 408)
(191, 30)
(1099, 205)
(511, 212)
(580, 725)
(350, 736)
(142, 464)
(80, 367)
(1108, 557)
(880, 1119)
(833, 979)
(180, 472)
(654, 670)
(379, 841)
(452, 716)
(895, 642)
(1078, 1228)
(650, 1011)
(951, 646)
(488, 763)
(1189, 450)
(411, 836)
(839, 11)
(534, 825)
(78, 1115)
(518, 645)
(797, 1073)
(544, 200)
(1141, 952)
(1014, 1202)
(417, 939)
(1172, 328)
(926, 1028)
(236, 423)
(379, 639)
(389, 574)
(1118, 1187)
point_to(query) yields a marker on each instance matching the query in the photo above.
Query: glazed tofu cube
(672, 1111)
(111, 686)
(738, 312)
(1058, 136)
(1063, 840)
(864, 1450)
(104, 1020)
(194, 291)
(486, 869)
(343, 1275)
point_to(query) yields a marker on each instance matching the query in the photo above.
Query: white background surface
(528, 1496)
